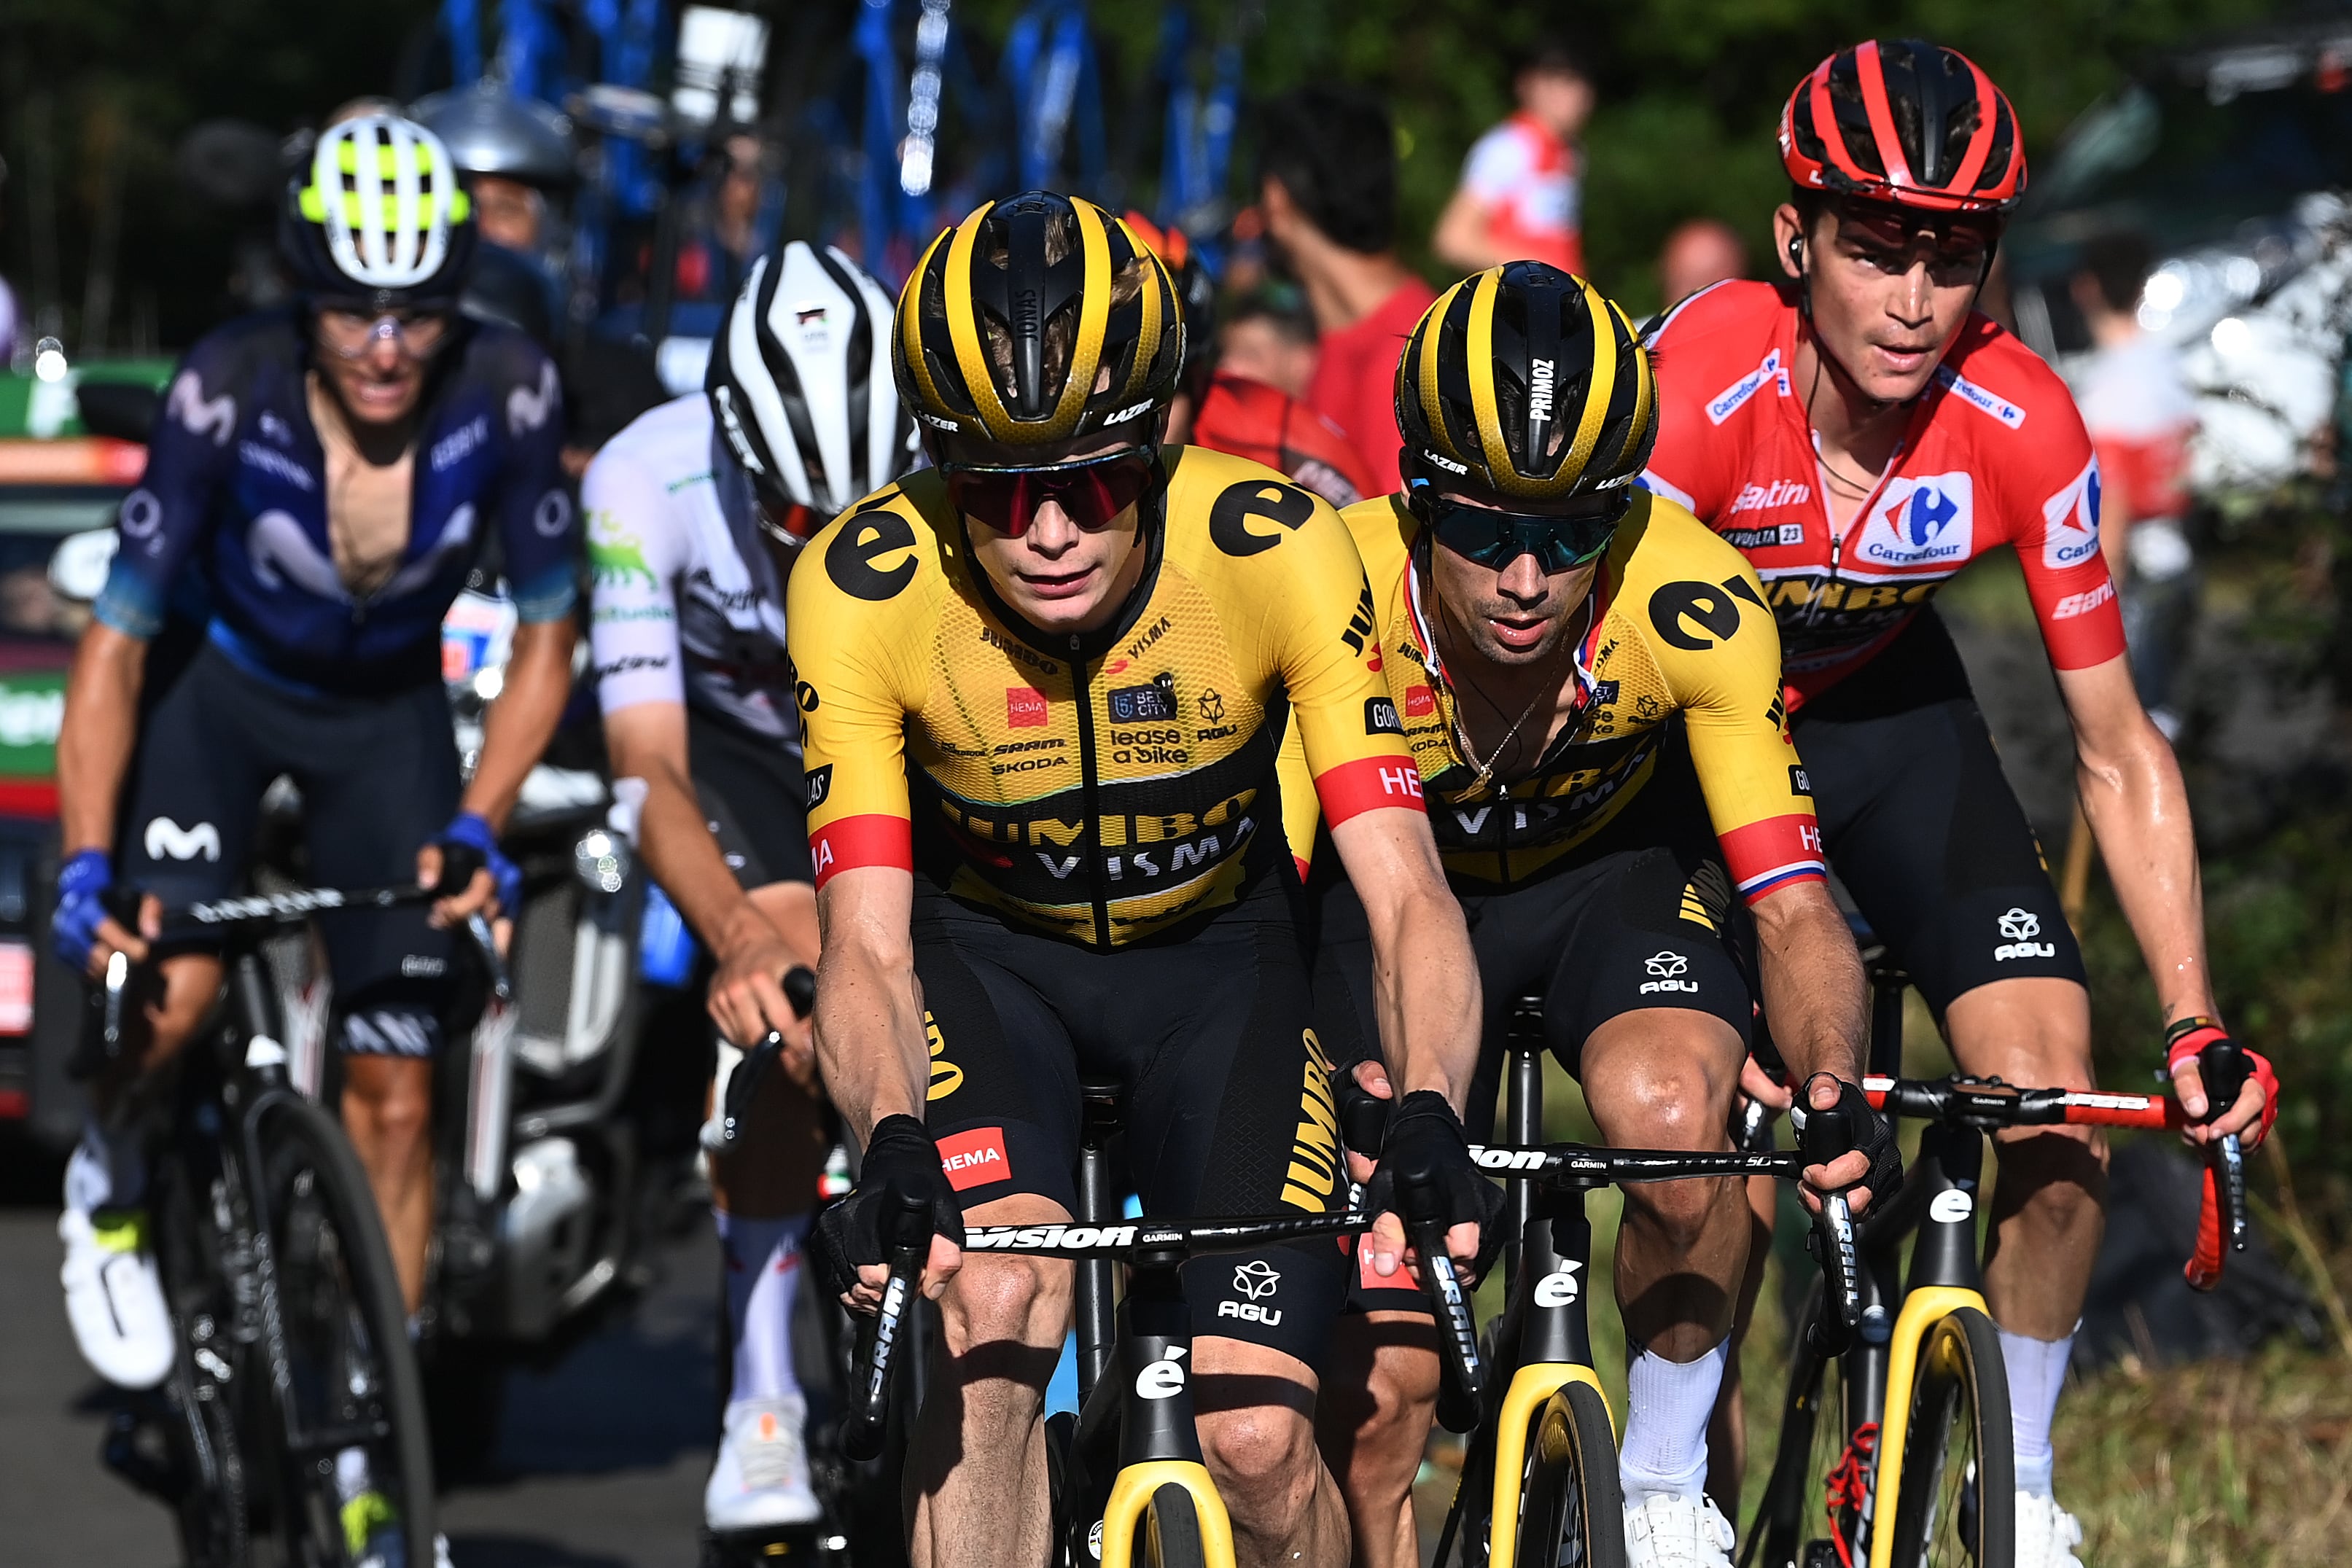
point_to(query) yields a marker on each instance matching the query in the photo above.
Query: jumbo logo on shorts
(946, 1076)
(1315, 1148)
(1929, 520)
(2070, 520)
(166, 840)
(974, 1158)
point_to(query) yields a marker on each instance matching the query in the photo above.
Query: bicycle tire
(1571, 1507)
(210, 1508)
(1171, 1530)
(1960, 1392)
(337, 1309)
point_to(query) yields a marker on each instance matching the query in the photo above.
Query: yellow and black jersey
(1100, 786)
(1678, 628)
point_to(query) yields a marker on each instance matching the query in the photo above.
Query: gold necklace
(1485, 771)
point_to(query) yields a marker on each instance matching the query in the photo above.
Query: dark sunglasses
(1492, 538)
(1092, 491)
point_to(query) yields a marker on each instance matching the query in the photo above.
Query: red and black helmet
(1908, 122)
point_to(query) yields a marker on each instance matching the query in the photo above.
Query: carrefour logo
(2069, 534)
(1922, 521)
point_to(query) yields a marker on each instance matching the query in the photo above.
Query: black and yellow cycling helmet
(1523, 380)
(1038, 318)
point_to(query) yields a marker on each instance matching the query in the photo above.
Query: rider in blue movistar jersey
(329, 474)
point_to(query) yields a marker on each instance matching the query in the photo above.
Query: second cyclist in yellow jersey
(1106, 784)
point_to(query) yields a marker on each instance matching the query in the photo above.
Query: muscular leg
(388, 1111)
(2049, 1205)
(1372, 1422)
(1659, 1078)
(976, 1470)
(1255, 1408)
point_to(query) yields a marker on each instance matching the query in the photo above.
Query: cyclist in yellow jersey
(1044, 686)
(1589, 679)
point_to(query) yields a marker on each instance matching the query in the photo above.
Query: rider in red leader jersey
(1862, 434)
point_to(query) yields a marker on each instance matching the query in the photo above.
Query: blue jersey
(235, 489)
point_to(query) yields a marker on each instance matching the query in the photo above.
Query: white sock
(1666, 1408)
(763, 1271)
(107, 1171)
(2037, 1371)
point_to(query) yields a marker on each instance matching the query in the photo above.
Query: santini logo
(2021, 926)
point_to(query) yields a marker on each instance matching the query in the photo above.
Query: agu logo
(1255, 1280)
(1929, 520)
(1667, 967)
(2019, 927)
(974, 1158)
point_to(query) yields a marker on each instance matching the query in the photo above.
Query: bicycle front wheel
(1171, 1534)
(355, 1464)
(1957, 1502)
(1571, 1509)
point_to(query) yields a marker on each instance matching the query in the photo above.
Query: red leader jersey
(1995, 454)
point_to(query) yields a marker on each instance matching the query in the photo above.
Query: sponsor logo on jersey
(1267, 500)
(1929, 520)
(527, 407)
(974, 1158)
(2083, 604)
(616, 555)
(455, 447)
(1798, 784)
(1771, 497)
(819, 783)
(1980, 398)
(270, 460)
(1420, 702)
(1680, 611)
(1380, 717)
(1017, 653)
(166, 840)
(212, 418)
(1213, 706)
(2019, 927)
(1142, 643)
(2069, 534)
(1143, 705)
(1025, 707)
(854, 561)
(1727, 402)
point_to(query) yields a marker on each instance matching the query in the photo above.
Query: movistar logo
(1539, 379)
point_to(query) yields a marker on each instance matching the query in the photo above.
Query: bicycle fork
(1554, 1342)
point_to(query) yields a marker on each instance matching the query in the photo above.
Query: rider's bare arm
(96, 737)
(647, 741)
(1425, 978)
(1813, 981)
(516, 730)
(2132, 792)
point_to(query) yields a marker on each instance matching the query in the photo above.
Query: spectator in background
(1328, 190)
(2138, 408)
(1699, 254)
(1521, 196)
(733, 221)
(1266, 343)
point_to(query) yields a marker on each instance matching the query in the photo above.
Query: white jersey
(688, 603)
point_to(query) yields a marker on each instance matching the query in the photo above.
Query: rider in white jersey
(695, 513)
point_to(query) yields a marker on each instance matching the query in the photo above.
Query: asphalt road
(600, 1461)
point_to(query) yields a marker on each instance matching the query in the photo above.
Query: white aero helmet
(379, 215)
(800, 383)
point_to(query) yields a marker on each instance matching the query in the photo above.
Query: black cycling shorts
(1227, 1100)
(1641, 917)
(379, 778)
(754, 798)
(1922, 826)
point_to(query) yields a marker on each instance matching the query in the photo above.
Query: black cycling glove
(1426, 1147)
(900, 1161)
(1873, 1134)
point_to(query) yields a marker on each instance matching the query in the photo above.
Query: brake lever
(867, 1423)
(2222, 1209)
(743, 1083)
(1461, 1391)
(1827, 1137)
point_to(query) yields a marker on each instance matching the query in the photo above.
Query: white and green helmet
(379, 216)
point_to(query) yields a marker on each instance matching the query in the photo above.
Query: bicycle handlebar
(800, 990)
(1987, 1103)
(1829, 1137)
(1460, 1390)
(867, 1423)
(1122, 1240)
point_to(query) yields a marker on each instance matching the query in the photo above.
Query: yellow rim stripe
(1154, 275)
(1427, 338)
(1602, 387)
(910, 322)
(1094, 319)
(353, 207)
(1486, 411)
(1645, 387)
(963, 326)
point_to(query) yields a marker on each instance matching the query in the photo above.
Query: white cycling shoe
(761, 1479)
(1665, 1530)
(114, 1299)
(2046, 1533)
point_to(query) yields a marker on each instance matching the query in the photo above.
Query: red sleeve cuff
(1366, 785)
(874, 839)
(1766, 856)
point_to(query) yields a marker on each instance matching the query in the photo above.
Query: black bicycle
(292, 1429)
